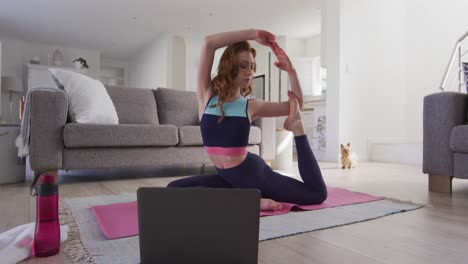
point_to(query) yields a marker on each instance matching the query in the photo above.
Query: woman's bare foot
(294, 123)
(269, 205)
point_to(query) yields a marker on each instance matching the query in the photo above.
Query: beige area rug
(87, 244)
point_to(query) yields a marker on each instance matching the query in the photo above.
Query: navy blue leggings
(254, 173)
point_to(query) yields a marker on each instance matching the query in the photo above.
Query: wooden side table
(12, 167)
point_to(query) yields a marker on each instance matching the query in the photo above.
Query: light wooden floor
(438, 233)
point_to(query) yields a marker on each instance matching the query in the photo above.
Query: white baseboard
(395, 151)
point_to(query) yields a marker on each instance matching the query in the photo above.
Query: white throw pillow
(89, 101)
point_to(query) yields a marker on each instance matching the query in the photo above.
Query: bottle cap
(47, 186)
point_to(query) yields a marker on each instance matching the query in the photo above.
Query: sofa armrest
(48, 115)
(268, 142)
(442, 111)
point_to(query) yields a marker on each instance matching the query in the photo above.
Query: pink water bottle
(47, 234)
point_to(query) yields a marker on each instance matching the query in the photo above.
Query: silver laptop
(198, 225)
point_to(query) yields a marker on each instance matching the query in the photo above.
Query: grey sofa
(445, 139)
(156, 127)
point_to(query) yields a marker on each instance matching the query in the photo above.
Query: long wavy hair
(228, 69)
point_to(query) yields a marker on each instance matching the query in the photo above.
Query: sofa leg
(440, 183)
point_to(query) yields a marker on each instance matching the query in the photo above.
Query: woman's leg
(215, 181)
(308, 165)
(209, 181)
(254, 173)
(247, 175)
(286, 189)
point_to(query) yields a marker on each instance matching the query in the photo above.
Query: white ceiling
(119, 28)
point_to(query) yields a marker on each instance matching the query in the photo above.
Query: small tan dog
(346, 157)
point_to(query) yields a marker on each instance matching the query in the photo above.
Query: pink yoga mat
(121, 219)
(336, 197)
(117, 220)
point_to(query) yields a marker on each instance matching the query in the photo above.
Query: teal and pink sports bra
(229, 137)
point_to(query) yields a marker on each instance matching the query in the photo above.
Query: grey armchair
(445, 139)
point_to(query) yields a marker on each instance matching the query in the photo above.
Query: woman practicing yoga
(225, 117)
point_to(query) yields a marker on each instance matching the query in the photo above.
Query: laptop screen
(198, 225)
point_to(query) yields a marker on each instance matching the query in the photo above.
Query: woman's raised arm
(259, 108)
(285, 64)
(219, 40)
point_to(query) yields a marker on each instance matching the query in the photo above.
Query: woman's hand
(283, 60)
(265, 38)
(284, 63)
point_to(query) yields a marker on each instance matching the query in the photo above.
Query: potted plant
(80, 64)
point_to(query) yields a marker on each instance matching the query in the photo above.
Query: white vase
(77, 65)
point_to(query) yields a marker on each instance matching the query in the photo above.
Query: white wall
(393, 53)
(433, 27)
(149, 67)
(161, 63)
(372, 84)
(176, 60)
(295, 47)
(299, 47)
(192, 58)
(330, 58)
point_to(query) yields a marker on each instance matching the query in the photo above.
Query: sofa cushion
(134, 105)
(177, 107)
(191, 136)
(123, 135)
(459, 139)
